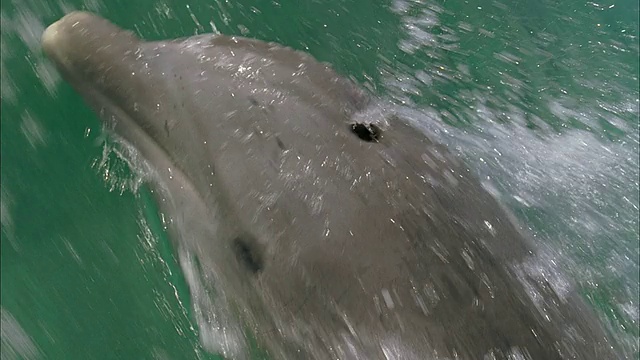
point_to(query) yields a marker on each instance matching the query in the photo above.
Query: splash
(16, 343)
(554, 137)
(125, 170)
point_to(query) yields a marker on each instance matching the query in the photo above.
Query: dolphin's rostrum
(336, 233)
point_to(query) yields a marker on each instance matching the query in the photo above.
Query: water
(540, 97)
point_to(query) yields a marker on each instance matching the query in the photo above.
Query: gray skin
(328, 245)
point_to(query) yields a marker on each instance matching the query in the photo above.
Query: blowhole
(367, 132)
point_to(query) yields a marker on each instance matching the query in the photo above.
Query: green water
(540, 96)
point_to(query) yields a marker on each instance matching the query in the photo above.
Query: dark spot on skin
(247, 254)
(253, 101)
(281, 144)
(367, 132)
(166, 127)
(452, 288)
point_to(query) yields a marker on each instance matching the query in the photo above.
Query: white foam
(32, 130)
(16, 343)
(581, 186)
(219, 332)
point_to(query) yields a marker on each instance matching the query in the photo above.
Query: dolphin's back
(391, 246)
(385, 242)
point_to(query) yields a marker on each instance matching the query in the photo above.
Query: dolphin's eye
(247, 254)
(367, 132)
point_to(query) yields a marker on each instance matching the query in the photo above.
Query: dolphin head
(256, 131)
(158, 85)
(343, 235)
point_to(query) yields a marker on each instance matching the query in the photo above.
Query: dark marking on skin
(367, 132)
(451, 288)
(166, 127)
(281, 145)
(266, 108)
(247, 254)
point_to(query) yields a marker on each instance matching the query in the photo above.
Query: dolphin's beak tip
(78, 16)
(50, 37)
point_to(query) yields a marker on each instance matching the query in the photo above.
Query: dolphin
(336, 229)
